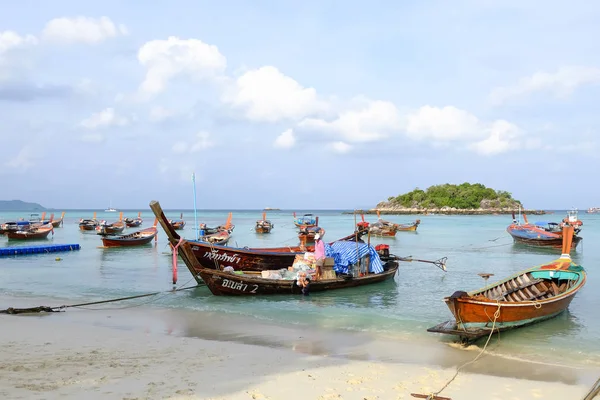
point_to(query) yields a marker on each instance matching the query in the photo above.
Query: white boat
(110, 209)
(593, 210)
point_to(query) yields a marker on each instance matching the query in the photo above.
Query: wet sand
(148, 353)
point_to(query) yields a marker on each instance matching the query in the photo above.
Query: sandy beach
(126, 354)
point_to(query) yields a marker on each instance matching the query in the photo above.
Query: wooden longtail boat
(177, 224)
(114, 228)
(527, 297)
(545, 234)
(385, 228)
(89, 224)
(227, 226)
(58, 222)
(306, 221)
(36, 232)
(248, 259)
(220, 238)
(307, 235)
(13, 226)
(263, 225)
(231, 284)
(138, 238)
(134, 222)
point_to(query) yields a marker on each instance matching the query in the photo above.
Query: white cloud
(201, 142)
(159, 114)
(340, 147)
(11, 40)
(23, 160)
(447, 123)
(104, 119)
(560, 83)
(286, 140)
(503, 136)
(265, 94)
(166, 59)
(82, 30)
(374, 121)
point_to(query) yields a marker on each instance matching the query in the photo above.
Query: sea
(401, 309)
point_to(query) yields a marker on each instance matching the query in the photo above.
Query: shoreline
(435, 211)
(142, 352)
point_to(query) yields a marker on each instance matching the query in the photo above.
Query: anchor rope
(496, 316)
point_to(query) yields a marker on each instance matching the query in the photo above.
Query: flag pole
(195, 212)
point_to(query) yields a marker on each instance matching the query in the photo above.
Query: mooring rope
(12, 310)
(594, 391)
(496, 316)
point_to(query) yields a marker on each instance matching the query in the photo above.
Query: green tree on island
(463, 196)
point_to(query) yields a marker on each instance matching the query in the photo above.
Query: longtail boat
(177, 224)
(134, 222)
(227, 226)
(527, 297)
(114, 228)
(263, 225)
(386, 228)
(209, 255)
(138, 238)
(306, 221)
(545, 234)
(14, 226)
(58, 222)
(220, 238)
(35, 232)
(232, 284)
(89, 224)
(307, 235)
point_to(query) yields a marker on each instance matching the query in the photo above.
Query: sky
(297, 105)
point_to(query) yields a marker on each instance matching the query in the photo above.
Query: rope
(594, 391)
(12, 310)
(496, 316)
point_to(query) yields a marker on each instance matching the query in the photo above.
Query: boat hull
(227, 284)
(134, 239)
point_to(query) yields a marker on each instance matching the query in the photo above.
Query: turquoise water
(403, 308)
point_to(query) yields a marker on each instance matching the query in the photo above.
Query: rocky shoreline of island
(445, 211)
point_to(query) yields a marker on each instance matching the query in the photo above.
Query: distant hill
(19, 205)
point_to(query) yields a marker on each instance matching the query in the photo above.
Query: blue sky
(297, 105)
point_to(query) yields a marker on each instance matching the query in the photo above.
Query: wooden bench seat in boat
(523, 288)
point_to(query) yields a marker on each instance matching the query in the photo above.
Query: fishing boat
(58, 222)
(88, 224)
(211, 255)
(307, 234)
(227, 226)
(33, 232)
(220, 238)
(114, 228)
(263, 225)
(134, 222)
(248, 284)
(545, 234)
(527, 297)
(13, 226)
(386, 228)
(177, 224)
(138, 238)
(306, 221)
(593, 210)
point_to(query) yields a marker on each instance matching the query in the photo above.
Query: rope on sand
(434, 396)
(12, 310)
(594, 391)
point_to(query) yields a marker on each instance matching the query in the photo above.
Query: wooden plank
(427, 396)
(535, 290)
(554, 288)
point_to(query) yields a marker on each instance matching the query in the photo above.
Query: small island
(19, 205)
(463, 199)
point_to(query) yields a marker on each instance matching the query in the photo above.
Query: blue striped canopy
(345, 254)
